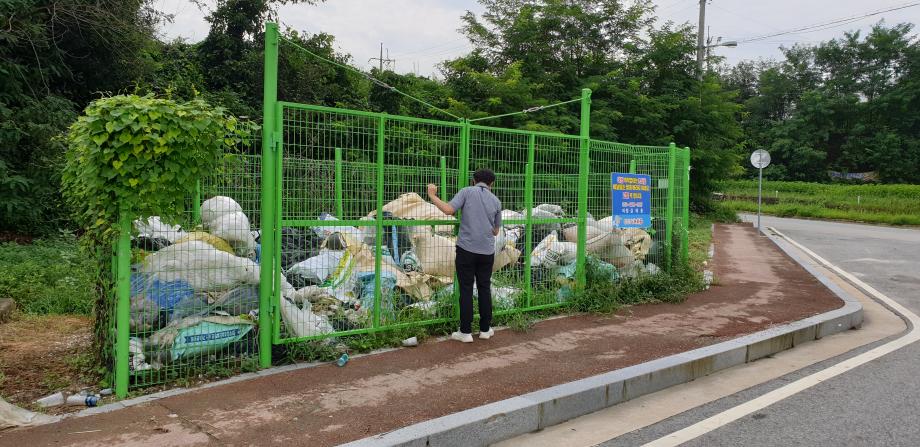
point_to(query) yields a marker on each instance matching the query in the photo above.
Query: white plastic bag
(234, 228)
(609, 247)
(319, 267)
(154, 228)
(217, 206)
(555, 210)
(513, 235)
(12, 416)
(303, 322)
(202, 266)
(551, 252)
(512, 215)
(325, 232)
(500, 241)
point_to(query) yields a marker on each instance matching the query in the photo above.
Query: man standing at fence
(480, 222)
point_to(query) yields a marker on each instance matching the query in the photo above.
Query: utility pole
(700, 47)
(382, 59)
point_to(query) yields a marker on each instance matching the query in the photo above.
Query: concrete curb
(512, 417)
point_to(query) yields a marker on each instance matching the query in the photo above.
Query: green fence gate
(349, 244)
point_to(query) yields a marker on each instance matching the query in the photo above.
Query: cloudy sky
(421, 33)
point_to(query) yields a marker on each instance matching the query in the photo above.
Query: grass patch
(50, 276)
(884, 204)
(665, 287)
(700, 238)
(517, 321)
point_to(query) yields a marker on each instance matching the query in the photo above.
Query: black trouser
(470, 267)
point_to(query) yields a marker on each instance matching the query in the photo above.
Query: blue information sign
(632, 200)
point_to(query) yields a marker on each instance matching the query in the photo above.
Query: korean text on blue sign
(632, 200)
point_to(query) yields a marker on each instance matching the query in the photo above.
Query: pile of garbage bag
(197, 291)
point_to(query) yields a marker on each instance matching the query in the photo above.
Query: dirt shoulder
(43, 354)
(758, 287)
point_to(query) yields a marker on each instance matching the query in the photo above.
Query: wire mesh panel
(194, 279)
(554, 218)
(361, 248)
(506, 153)
(630, 252)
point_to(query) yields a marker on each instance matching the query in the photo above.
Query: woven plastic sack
(412, 206)
(570, 234)
(552, 252)
(509, 255)
(164, 294)
(210, 239)
(436, 254)
(202, 266)
(198, 335)
(638, 241)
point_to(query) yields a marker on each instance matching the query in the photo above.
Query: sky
(419, 34)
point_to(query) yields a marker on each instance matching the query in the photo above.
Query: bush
(47, 277)
(141, 156)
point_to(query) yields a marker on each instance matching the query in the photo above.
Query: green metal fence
(349, 244)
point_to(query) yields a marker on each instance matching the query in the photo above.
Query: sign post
(760, 159)
(631, 196)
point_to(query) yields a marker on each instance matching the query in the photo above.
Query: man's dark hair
(484, 176)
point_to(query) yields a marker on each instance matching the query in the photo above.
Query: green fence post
(669, 210)
(464, 175)
(444, 177)
(583, 167)
(196, 206)
(378, 239)
(528, 215)
(685, 236)
(267, 267)
(632, 166)
(276, 221)
(339, 207)
(463, 178)
(122, 304)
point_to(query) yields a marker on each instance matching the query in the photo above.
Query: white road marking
(733, 414)
(877, 261)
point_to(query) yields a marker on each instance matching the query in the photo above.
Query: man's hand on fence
(432, 190)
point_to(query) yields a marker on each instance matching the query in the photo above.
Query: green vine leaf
(141, 155)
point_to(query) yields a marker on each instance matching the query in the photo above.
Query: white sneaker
(461, 337)
(487, 335)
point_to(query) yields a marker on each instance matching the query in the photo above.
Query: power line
(829, 24)
(283, 39)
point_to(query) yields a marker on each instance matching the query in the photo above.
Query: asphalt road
(875, 404)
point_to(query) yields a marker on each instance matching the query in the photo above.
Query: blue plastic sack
(166, 294)
(366, 283)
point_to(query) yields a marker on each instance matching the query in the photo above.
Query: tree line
(847, 104)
